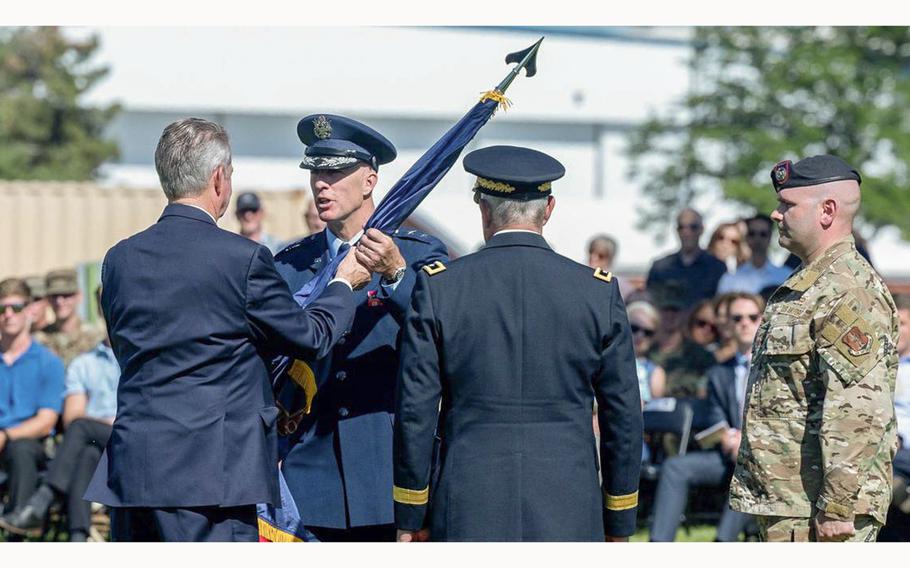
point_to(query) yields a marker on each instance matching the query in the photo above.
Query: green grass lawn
(697, 533)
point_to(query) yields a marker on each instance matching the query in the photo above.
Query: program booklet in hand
(711, 436)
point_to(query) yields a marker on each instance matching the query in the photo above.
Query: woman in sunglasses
(644, 320)
(728, 246)
(684, 353)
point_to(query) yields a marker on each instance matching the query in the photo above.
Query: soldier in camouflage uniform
(68, 336)
(819, 434)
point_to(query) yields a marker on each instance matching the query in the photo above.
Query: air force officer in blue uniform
(193, 313)
(516, 342)
(339, 427)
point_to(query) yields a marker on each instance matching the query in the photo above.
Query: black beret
(337, 142)
(814, 170)
(512, 172)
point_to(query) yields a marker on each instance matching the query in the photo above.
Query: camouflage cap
(64, 281)
(37, 285)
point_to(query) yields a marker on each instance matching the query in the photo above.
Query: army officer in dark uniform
(339, 425)
(516, 342)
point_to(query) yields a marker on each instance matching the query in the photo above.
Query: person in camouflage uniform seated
(819, 433)
(68, 336)
(684, 360)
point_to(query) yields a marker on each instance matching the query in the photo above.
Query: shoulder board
(601, 275)
(434, 268)
(296, 244)
(412, 234)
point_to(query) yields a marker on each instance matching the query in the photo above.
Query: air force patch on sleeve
(857, 341)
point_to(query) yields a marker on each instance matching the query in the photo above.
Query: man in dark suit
(338, 427)
(516, 342)
(713, 467)
(194, 312)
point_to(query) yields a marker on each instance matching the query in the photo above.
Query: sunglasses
(642, 330)
(703, 323)
(17, 308)
(740, 317)
(690, 226)
(55, 297)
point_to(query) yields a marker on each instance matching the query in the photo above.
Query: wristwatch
(396, 277)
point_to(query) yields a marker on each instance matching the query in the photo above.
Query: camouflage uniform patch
(819, 430)
(68, 346)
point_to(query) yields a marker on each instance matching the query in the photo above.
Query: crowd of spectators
(693, 322)
(58, 384)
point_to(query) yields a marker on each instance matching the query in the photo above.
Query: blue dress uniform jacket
(516, 342)
(339, 465)
(191, 310)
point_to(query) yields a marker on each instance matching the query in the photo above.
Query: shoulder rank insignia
(601, 275)
(434, 268)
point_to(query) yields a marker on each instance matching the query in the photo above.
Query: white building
(412, 84)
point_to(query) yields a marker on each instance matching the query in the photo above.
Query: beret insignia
(782, 172)
(322, 128)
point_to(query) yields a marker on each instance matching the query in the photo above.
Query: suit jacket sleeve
(417, 412)
(277, 321)
(717, 405)
(620, 419)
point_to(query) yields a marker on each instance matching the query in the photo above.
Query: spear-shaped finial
(527, 60)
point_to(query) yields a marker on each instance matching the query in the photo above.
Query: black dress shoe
(25, 521)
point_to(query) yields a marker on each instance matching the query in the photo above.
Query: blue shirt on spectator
(95, 374)
(34, 381)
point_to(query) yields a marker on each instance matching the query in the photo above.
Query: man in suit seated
(713, 468)
(194, 314)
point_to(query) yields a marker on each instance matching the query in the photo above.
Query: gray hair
(188, 152)
(646, 309)
(605, 243)
(512, 212)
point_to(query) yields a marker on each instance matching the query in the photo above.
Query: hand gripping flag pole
(282, 523)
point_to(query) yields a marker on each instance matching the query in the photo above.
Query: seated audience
(726, 244)
(250, 216)
(644, 321)
(68, 336)
(88, 412)
(44, 315)
(726, 343)
(681, 352)
(691, 270)
(901, 499)
(713, 467)
(602, 252)
(31, 393)
(758, 272)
